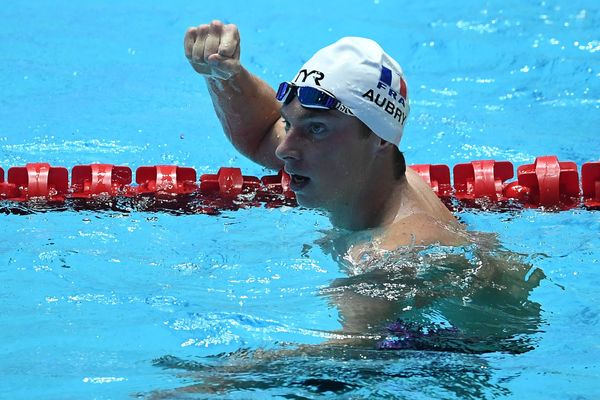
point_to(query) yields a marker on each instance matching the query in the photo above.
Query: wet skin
(329, 148)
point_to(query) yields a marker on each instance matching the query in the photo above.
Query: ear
(384, 146)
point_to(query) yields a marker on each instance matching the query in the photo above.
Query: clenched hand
(213, 49)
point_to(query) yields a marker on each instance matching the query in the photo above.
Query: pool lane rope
(547, 183)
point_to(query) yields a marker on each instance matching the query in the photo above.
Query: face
(327, 155)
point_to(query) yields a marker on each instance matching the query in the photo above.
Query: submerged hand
(213, 49)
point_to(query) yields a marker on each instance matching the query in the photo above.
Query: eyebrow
(311, 114)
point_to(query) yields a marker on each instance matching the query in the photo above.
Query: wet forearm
(247, 109)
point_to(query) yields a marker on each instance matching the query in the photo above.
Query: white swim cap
(365, 79)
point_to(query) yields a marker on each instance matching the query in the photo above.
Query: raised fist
(213, 49)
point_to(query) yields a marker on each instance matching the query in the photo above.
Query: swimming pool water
(136, 304)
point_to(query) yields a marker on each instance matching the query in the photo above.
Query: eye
(317, 129)
(286, 125)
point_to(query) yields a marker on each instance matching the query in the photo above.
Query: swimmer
(335, 127)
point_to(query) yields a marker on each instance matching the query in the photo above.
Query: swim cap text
(381, 101)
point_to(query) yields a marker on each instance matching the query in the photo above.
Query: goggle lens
(311, 97)
(308, 96)
(284, 90)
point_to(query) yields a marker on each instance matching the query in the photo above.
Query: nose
(290, 148)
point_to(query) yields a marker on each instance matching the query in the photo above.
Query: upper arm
(264, 154)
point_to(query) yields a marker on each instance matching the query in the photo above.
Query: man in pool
(335, 128)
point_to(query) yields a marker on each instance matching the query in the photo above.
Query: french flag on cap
(386, 78)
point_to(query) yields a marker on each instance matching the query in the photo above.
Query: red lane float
(89, 181)
(590, 182)
(547, 183)
(169, 187)
(276, 190)
(437, 176)
(229, 182)
(228, 189)
(482, 179)
(166, 180)
(37, 180)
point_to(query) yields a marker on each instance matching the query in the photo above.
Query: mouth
(298, 182)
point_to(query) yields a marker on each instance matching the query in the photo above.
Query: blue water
(124, 304)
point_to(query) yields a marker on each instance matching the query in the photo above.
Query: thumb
(215, 59)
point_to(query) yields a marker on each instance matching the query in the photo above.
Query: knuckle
(203, 30)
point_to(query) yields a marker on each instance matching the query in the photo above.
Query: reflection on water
(336, 370)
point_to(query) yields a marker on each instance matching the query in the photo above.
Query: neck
(378, 204)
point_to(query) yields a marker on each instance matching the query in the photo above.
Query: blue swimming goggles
(310, 97)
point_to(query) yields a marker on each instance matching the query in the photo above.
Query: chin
(307, 201)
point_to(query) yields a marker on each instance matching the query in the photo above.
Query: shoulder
(422, 229)
(416, 230)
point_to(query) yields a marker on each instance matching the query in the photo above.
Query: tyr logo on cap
(304, 74)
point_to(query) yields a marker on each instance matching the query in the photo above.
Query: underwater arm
(245, 104)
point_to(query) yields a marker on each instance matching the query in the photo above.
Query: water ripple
(94, 146)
